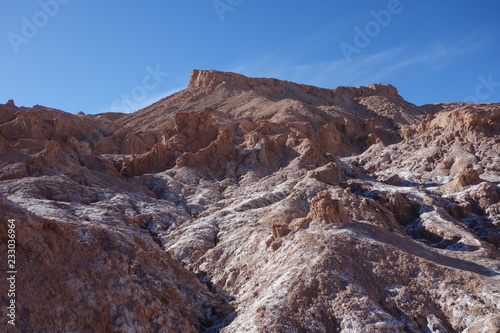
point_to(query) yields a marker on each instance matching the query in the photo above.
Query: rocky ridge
(256, 205)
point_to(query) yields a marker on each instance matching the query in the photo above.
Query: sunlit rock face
(254, 205)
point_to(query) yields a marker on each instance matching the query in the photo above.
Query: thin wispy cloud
(443, 53)
(139, 104)
(157, 97)
(367, 67)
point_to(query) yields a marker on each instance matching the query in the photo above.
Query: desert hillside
(254, 205)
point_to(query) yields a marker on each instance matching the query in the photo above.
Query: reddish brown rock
(486, 195)
(464, 178)
(325, 209)
(395, 180)
(87, 278)
(221, 151)
(159, 158)
(329, 174)
(5, 147)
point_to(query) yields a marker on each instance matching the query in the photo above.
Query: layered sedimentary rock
(255, 205)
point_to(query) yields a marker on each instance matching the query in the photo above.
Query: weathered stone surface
(89, 278)
(324, 208)
(486, 195)
(329, 174)
(395, 180)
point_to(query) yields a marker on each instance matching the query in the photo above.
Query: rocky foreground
(254, 205)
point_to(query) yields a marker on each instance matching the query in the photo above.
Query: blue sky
(99, 56)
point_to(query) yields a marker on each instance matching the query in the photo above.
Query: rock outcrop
(325, 209)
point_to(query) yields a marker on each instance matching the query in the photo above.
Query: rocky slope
(255, 205)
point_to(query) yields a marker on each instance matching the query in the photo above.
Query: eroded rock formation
(255, 205)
